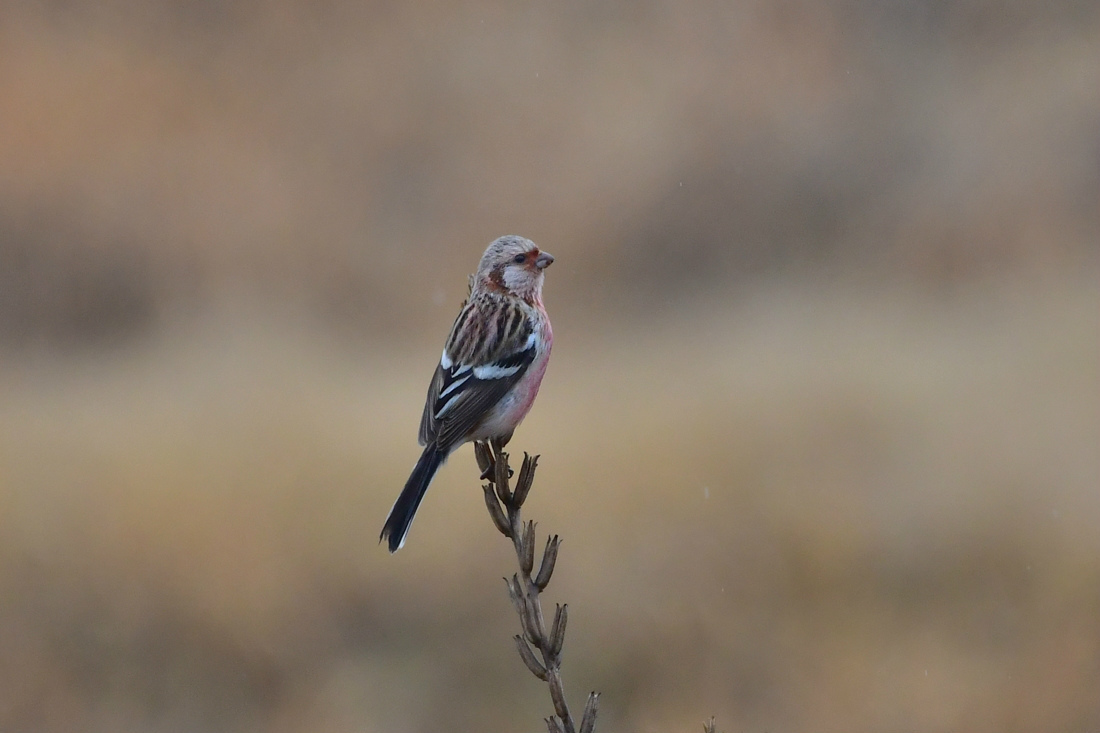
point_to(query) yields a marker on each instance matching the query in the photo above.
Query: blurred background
(822, 427)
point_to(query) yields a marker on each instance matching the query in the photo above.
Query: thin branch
(539, 650)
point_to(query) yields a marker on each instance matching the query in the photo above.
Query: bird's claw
(490, 473)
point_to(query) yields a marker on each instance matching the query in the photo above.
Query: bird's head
(515, 265)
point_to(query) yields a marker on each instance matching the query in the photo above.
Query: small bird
(490, 371)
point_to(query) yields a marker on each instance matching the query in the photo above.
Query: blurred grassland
(820, 431)
(833, 511)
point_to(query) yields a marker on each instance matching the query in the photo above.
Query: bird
(489, 374)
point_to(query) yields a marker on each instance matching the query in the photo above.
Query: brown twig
(539, 647)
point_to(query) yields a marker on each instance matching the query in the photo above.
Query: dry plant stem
(539, 647)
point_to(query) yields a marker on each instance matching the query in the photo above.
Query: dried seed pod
(528, 656)
(500, 479)
(526, 478)
(588, 720)
(535, 609)
(557, 631)
(524, 605)
(484, 457)
(553, 725)
(557, 694)
(495, 512)
(532, 621)
(527, 555)
(549, 557)
(515, 592)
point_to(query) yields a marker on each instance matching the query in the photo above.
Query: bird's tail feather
(404, 509)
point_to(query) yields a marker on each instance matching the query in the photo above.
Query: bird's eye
(518, 259)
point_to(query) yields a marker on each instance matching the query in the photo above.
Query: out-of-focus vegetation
(821, 428)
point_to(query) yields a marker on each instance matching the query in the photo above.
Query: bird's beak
(544, 260)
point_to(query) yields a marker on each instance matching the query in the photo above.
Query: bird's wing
(490, 347)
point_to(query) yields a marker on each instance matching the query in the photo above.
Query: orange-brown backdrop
(821, 430)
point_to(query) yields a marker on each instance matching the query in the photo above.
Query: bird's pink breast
(511, 410)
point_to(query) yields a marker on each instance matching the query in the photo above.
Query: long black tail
(404, 509)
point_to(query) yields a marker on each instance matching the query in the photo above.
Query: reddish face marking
(534, 259)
